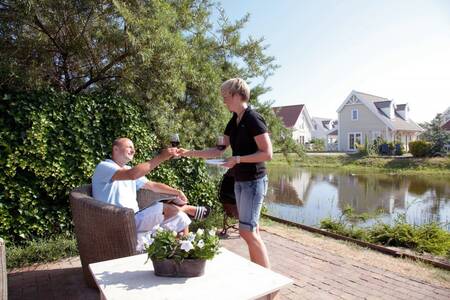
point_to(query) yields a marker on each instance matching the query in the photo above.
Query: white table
(227, 276)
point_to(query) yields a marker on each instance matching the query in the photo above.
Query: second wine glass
(220, 143)
(175, 140)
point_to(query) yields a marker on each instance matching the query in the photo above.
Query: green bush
(317, 144)
(51, 142)
(420, 148)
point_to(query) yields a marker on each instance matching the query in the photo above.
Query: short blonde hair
(236, 86)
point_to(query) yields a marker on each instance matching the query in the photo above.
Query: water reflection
(308, 195)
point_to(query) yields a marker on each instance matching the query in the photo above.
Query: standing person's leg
(249, 198)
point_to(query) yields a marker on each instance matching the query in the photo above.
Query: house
(296, 117)
(446, 116)
(326, 130)
(364, 117)
(446, 126)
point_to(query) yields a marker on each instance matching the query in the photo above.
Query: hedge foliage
(420, 148)
(50, 142)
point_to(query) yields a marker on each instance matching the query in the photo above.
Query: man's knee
(170, 210)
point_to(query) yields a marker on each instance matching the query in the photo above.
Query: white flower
(200, 231)
(149, 241)
(174, 233)
(200, 244)
(140, 246)
(143, 241)
(191, 237)
(212, 232)
(156, 229)
(186, 246)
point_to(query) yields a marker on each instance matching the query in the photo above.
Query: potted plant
(178, 255)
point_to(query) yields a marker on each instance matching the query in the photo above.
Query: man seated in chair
(116, 183)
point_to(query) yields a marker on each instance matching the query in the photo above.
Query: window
(354, 114)
(301, 139)
(353, 139)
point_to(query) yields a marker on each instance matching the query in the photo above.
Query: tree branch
(99, 77)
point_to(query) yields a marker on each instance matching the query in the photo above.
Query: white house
(364, 117)
(446, 116)
(297, 118)
(326, 130)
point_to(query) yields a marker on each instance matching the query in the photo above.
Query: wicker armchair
(104, 231)
(3, 275)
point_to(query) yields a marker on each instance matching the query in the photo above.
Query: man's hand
(168, 153)
(182, 197)
(184, 152)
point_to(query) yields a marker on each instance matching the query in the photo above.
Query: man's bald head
(122, 150)
(120, 141)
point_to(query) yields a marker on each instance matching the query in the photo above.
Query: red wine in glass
(175, 140)
(220, 144)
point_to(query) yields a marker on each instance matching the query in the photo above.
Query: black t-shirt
(242, 142)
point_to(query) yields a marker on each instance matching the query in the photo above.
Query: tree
(435, 134)
(167, 54)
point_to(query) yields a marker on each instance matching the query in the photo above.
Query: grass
(354, 162)
(425, 238)
(41, 251)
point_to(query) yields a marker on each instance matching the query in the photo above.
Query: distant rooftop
(289, 114)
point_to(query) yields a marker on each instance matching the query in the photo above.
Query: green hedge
(51, 142)
(420, 148)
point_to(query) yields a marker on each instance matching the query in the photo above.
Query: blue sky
(326, 48)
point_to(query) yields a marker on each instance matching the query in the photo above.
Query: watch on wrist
(238, 159)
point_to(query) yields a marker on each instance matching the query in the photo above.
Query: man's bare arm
(143, 168)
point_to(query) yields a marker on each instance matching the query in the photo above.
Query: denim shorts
(249, 199)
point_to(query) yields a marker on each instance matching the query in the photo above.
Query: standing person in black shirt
(247, 135)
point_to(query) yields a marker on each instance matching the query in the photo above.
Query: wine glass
(175, 141)
(220, 143)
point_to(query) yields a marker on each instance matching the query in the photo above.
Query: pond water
(306, 196)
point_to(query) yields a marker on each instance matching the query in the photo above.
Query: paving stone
(317, 274)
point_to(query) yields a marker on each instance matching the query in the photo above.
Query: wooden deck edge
(379, 248)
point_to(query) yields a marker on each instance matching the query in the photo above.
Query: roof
(375, 103)
(334, 132)
(382, 104)
(289, 114)
(325, 124)
(446, 126)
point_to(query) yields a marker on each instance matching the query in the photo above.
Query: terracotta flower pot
(184, 268)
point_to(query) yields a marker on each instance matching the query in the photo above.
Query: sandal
(201, 213)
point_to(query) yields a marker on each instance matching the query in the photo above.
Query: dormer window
(354, 114)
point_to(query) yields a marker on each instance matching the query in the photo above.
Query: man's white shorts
(151, 216)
